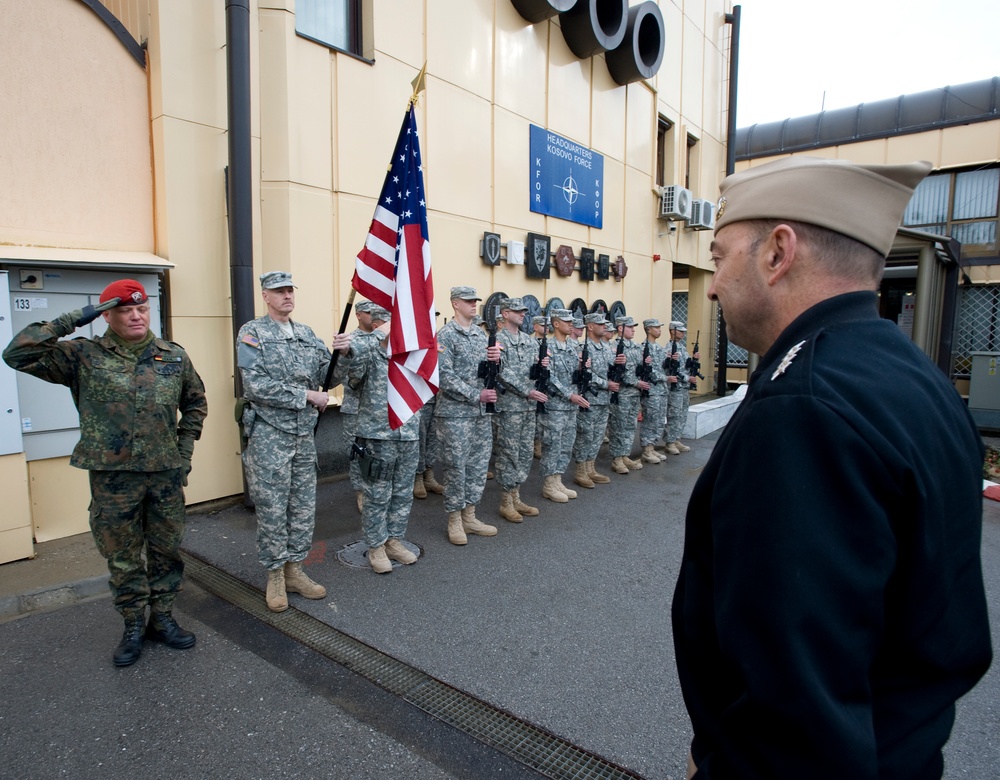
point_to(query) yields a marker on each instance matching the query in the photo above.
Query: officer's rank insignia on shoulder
(250, 340)
(786, 361)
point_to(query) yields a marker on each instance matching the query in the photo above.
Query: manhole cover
(355, 555)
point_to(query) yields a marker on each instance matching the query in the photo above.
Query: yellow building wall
(15, 521)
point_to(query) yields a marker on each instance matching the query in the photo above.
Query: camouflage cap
(379, 314)
(477, 320)
(652, 322)
(678, 325)
(626, 322)
(512, 304)
(464, 294)
(578, 322)
(363, 307)
(609, 328)
(539, 321)
(562, 314)
(273, 280)
(597, 318)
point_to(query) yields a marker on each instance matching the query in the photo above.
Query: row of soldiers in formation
(514, 396)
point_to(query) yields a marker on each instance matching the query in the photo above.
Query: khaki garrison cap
(864, 202)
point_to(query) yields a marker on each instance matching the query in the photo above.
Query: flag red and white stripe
(394, 271)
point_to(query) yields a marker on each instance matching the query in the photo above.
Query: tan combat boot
(507, 510)
(597, 479)
(395, 550)
(472, 524)
(551, 491)
(525, 509)
(419, 489)
(567, 491)
(648, 456)
(633, 465)
(671, 449)
(432, 484)
(297, 581)
(456, 534)
(582, 476)
(276, 599)
(618, 466)
(378, 560)
(681, 447)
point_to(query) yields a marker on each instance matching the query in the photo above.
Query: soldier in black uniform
(830, 606)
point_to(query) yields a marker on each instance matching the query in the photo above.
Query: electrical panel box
(10, 415)
(48, 423)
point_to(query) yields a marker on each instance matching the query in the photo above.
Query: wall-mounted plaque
(537, 260)
(490, 251)
(619, 268)
(586, 265)
(565, 262)
(603, 266)
(515, 253)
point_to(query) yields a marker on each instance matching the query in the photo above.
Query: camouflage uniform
(463, 428)
(516, 418)
(388, 498)
(625, 414)
(280, 456)
(349, 416)
(590, 426)
(137, 452)
(427, 454)
(559, 422)
(654, 405)
(679, 397)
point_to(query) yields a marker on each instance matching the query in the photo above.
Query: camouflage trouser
(515, 444)
(281, 475)
(130, 511)
(385, 510)
(558, 435)
(350, 432)
(464, 454)
(590, 428)
(624, 418)
(677, 412)
(427, 455)
(654, 417)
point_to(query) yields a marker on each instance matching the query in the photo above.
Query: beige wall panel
(352, 217)
(133, 14)
(716, 87)
(971, 144)
(640, 132)
(693, 74)
(569, 89)
(191, 216)
(694, 11)
(669, 79)
(460, 44)
(612, 234)
(75, 130)
(399, 31)
(608, 121)
(455, 143)
(14, 489)
(872, 152)
(276, 36)
(362, 148)
(215, 468)
(521, 70)
(16, 544)
(60, 496)
(312, 265)
(455, 258)
(512, 174)
(918, 146)
(187, 60)
(639, 214)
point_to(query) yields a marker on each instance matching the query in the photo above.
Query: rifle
(616, 371)
(673, 367)
(488, 370)
(693, 363)
(583, 375)
(540, 373)
(336, 354)
(644, 371)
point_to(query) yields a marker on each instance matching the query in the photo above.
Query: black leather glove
(90, 313)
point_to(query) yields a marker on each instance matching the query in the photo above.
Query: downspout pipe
(239, 192)
(732, 19)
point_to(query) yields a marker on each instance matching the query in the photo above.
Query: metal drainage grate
(533, 746)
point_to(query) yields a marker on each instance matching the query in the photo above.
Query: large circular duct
(539, 10)
(593, 26)
(641, 52)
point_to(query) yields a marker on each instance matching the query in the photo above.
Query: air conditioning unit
(702, 215)
(675, 203)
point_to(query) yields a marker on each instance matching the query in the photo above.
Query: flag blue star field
(394, 271)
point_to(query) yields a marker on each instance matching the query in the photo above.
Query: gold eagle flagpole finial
(418, 84)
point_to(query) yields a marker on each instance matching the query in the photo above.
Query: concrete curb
(53, 597)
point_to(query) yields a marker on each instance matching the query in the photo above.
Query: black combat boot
(129, 649)
(163, 628)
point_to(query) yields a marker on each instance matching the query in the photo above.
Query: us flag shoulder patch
(251, 341)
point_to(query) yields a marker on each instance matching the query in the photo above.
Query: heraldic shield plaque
(586, 265)
(536, 260)
(603, 266)
(565, 262)
(491, 248)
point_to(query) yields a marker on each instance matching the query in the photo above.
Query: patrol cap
(678, 325)
(595, 319)
(578, 322)
(379, 313)
(464, 294)
(272, 280)
(652, 323)
(476, 319)
(562, 314)
(608, 327)
(539, 321)
(627, 322)
(363, 307)
(128, 291)
(864, 202)
(512, 304)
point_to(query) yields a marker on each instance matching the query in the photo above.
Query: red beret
(129, 291)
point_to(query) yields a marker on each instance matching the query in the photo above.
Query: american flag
(394, 271)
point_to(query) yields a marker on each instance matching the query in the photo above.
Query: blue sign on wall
(566, 179)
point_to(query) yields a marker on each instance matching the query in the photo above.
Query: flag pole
(418, 84)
